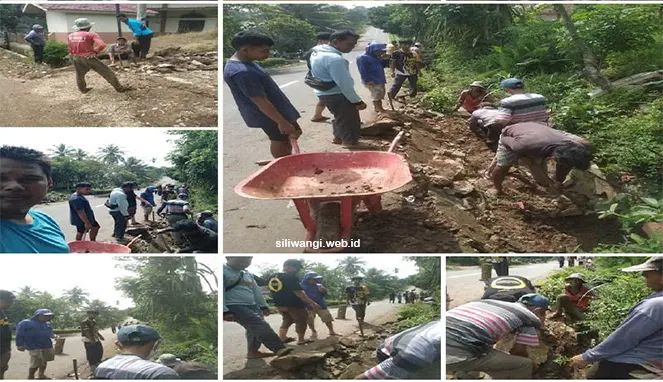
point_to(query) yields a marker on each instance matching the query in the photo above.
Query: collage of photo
(504, 157)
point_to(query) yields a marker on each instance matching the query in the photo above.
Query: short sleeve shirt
(129, 366)
(283, 287)
(131, 198)
(405, 63)
(43, 235)
(79, 202)
(358, 295)
(247, 80)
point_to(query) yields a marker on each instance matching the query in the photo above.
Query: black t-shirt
(5, 333)
(283, 287)
(131, 198)
(507, 288)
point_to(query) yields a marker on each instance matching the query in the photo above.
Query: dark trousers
(612, 370)
(398, 84)
(502, 269)
(347, 122)
(120, 224)
(38, 53)
(94, 352)
(143, 47)
(258, 331)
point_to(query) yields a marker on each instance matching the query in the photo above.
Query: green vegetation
(411, 315)
(292, 26)
(633, 211)
(271, 62)
(69, 308)
(56, 54)
(573, 71)
(106, 170)
(513, 260)
(616, 291)
(195, 163)
(169, 295)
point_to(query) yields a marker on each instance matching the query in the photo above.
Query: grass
(194, 42)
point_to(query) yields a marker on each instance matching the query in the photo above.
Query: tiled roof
(91, 8)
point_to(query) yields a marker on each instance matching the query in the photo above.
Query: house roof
(97, 8)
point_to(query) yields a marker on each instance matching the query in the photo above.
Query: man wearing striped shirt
(412, 354)
(520, 106)
(474, 328)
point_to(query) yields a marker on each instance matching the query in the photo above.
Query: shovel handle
(394, 143)
(295, 146)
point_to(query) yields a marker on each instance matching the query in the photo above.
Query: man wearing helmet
(83, 48)
(474, 328)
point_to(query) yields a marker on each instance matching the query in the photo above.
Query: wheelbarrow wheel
(328, 222)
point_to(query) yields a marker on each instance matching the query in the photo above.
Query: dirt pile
(149, 241)
(559, 343)
(446, 207)
(174, 60)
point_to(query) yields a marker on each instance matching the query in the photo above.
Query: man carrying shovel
(83, 48)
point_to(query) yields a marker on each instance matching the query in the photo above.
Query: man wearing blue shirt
(638, 341)
(142, 33)
(81, 215)
(328, 65)
(25, 177)
(119, 210)
(259, 99)
(147, 202)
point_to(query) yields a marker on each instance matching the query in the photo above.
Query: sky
(95, 274)
(144, 144)
(384, 262)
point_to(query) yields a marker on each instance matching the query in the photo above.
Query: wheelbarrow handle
(394, 143)
(295, 146)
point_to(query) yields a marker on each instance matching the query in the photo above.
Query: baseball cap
(578, 276)
(535, 300)
(653, 264)
(512, 83)
(478, 84)
(137, 333)
(6, 295)
(168, 360)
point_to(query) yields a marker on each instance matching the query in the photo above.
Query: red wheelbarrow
(84, 246)
(331, 181)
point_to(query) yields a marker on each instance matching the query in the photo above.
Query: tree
(352, 265)
(62, 150)
(111, 154)
(592, 68)
(135, 166)
(290, 34)
(80, 155)
(76, 296)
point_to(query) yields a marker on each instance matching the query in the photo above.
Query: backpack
(108, 204)
(312, 81)
(507, 288)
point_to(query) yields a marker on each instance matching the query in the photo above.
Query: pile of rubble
(173, 60)
(148, 241)
(333, 357)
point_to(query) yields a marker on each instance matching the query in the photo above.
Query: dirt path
(451, 211)
(168, 93)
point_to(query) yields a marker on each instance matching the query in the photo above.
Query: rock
(462, 188)
(440, 181)
(453, 153)
(166, 66)
(352, 371)
(449, 168)
(349, 342)
(322, 373)
(197, 63)
(295, 361)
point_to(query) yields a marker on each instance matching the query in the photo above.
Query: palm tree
(27, 293)
(133, 164)
(111, 154)
(76, 296)
(62, 150)
(80, 155)
(352, 265)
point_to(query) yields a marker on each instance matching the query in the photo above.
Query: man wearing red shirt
(83, 48)
(575, 299)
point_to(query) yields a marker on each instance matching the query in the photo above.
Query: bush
(271, 62)
(440, 99)
(56, 54)
(411, 315)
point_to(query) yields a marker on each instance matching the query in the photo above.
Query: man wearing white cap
(575, 298)
(637, 343)
(83, 48)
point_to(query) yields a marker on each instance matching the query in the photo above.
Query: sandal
(260, 355)
(287, 340)
(321, 119)
(305, 342)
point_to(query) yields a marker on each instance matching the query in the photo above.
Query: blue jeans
(120, 224)
(258, 331)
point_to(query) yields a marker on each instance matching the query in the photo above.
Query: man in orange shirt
(575, 299)
(83, 48)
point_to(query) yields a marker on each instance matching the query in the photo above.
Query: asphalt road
(60, 212)
(63, 363)
(464, 285)
(234, 340)
(244, 146)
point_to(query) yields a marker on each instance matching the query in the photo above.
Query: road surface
(234, 340)
(60, 212)
(464, 285)
(273, 220)
(62, 365)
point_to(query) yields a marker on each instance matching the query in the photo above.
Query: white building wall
(56, 22)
